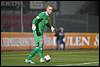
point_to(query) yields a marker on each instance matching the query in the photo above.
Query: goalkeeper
(38, 25)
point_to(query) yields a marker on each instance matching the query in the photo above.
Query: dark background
(73, 16)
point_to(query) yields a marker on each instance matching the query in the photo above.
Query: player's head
(49, 9)
(61, 29)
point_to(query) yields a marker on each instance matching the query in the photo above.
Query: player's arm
(36, 20)
(50, 27)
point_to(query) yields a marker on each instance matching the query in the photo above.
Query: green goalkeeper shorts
(37, 38)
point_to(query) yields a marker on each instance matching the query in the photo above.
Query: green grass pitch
(58, 58)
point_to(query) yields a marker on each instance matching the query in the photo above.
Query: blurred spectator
(60, 38)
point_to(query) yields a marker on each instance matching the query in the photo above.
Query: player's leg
(63, 45)
(40, 51)
(34, 50)
(32, 54)
(57, 44)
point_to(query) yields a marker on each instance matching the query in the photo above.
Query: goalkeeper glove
(33, 27)
(52, 29)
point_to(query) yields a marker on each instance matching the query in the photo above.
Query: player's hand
(52, 29)
(33, 27)
(38, 33)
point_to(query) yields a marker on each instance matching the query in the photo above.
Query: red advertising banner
(25, 41)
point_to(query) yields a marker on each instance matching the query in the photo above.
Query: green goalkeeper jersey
(40, 21)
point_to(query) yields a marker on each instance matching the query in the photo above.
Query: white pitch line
(77, 64)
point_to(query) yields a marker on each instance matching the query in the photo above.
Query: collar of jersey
(46, 13)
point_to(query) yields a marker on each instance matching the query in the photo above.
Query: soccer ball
(47, 58)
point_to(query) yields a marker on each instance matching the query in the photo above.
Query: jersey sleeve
(38, 18)
(48, 25)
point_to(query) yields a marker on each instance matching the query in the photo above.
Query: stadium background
(78, 18)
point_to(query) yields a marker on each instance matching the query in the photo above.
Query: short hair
(49, 6)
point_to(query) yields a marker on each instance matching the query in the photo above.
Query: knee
(41, 49)
(40, 44)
